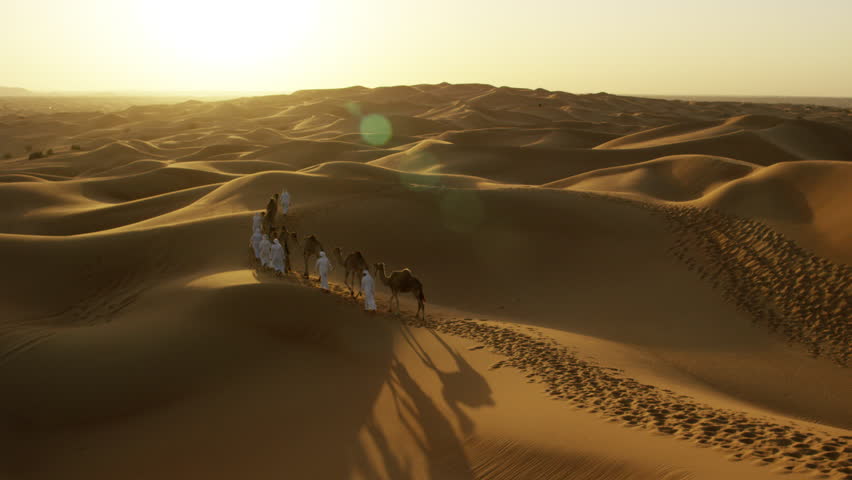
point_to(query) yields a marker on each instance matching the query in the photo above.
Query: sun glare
(232, 33)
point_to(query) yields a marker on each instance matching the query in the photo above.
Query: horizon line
(218, 93)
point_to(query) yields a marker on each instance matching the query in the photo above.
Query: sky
(662, 47)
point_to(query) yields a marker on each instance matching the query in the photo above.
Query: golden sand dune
(617, 288)
(673, 178)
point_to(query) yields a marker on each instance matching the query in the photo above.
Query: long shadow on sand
(434, 434)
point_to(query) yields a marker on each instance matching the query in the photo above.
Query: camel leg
(347, 282)
(419, 304)
(306, 266)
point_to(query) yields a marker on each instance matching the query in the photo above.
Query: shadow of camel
(464, 386)
(431, 430)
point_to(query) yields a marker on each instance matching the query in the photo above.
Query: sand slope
(617, 288)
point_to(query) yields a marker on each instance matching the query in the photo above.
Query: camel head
(379, 268)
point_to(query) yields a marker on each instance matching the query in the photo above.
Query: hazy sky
(737, 47)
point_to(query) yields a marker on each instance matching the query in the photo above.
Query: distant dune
(616, 287)
(14, 92)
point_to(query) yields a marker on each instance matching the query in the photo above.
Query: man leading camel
(323, 267)
(368, 287)
(256, 238)
(277, 257)
(265, 252)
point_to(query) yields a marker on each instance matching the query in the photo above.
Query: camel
(311, 248)
(271, 213)
(402, 281)
(354, 264)
(284, 238)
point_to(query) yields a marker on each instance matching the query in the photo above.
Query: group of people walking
(271, 248)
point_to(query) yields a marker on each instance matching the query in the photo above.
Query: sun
(234, 33)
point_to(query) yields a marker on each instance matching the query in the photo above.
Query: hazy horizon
(219, 93)
(664, 47)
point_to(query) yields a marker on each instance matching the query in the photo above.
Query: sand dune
(674, 178)
(617, 288)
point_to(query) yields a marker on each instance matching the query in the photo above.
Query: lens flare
(376, 129)
(354, 108)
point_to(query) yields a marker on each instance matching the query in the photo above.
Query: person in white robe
(284, 199)
(368, 287)
(255, 242)
(324, 266)
(265, 252)
(277, 257)
(256, 221)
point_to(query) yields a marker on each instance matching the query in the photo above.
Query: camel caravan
(270, 248)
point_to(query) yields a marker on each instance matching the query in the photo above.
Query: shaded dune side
(155, 182)
(383, 175)
(675, 178)
(799, 198)
(298, 154)
(196, 318)
(89, 220)
(94, 276)
(804, 200)
(537, 166)
(219, 149)
(752, 135)
(686, 131)
(520, 137)
(805, 297)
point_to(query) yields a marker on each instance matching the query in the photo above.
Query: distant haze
(663, 47)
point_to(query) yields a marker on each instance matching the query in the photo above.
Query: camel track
(804, 297)
(605, 392)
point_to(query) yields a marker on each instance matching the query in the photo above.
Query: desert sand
(616, 288)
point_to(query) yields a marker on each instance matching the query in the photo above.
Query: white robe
(265, 251)
(368, 287)
(255, 243)
(323, 267)
(257, 221)
(285, 201)
(277, 255)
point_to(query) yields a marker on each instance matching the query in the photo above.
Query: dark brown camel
(354, 264)
(271, 214)
(285, 238)
(402, 281)
(311, 248)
